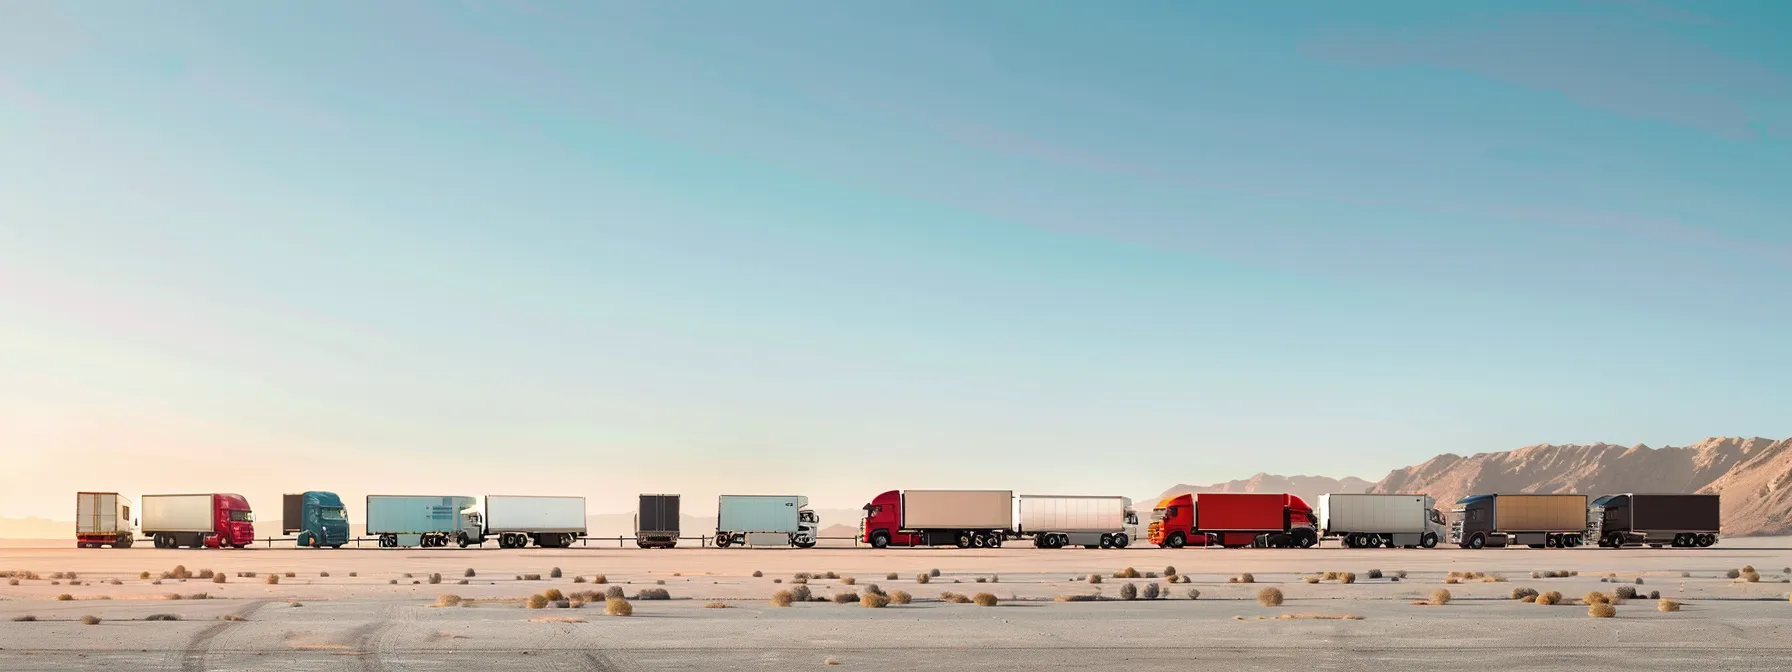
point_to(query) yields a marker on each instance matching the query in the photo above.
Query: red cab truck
(1234, 520)
(962, 518)
(210, 520)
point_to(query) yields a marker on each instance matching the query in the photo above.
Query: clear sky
(836, 248)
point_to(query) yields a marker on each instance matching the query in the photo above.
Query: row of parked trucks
(962, 518)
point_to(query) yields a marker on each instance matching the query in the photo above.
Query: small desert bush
(848, 581)
(435, 578)
(162, 617)
(469, 573)
(1347, 577)
(1128, 573)
(1242, 578)
(1596, 597)
(536, 601)
(273, 578)
(758, 574)
(1639, 580)
(802, 593)
(65, 597)
(1374, 573)
(143, 575)
(27, 618)
(900, 597)
(1170, 570)
(90, 620)
(1094, 578)
(954, 598)
(981, 579)
(554, 595)
(715, 605)
(783, 598)
(845, 598)
(180, 572)
(292, 575)
(934, 572)
(447, 600)
(1440, 597)
(1601, 610)
(391, 582)
(873, 589)
(1310, 579)
(1328, 576)
(874, 601)
(578, 579)
(1751, 577)
(1152, 591)
(830, 575)
(922, 578)
(1551, 597)
(554, 573)
(354, 574)
(1733, 574)
(1077, 597)
(984, 599)
(617, 606)
(1667, 605)
(1194, 593)
(1521, 593)
(1270, 597)
(1129, 592)
(600, 579)
(653, 594)
(1625, 593)
(1150, 575)
(1452, 579)
(526, 577)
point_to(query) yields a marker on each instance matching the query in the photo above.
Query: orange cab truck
(1234, 520)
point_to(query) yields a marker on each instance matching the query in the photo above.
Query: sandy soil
(381, 619)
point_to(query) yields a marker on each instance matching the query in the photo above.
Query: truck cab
(235, 522)
(808, 529)
(882, 523)
(1172, 520)
(319, 518)
(472, 528)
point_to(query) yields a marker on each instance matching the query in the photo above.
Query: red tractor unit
(1234, 520)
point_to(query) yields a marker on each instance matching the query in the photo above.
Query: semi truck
(549, 522)
(1683, 520)
(103, 519)
(1056, 521)
(962, 518)
(1537, 521)
(1375, 521)
(1234, 520)
(765, 520)
(657, 522)
(318, 517)
(405, 521)
(211, 520)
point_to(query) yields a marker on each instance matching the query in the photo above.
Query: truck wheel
(880, 539)
(1477, 541)
(1428, 541)
(1176, 540)
(979, 541)
(995, 541)
(964, 540)
(1706, 540)
(1121, 540)
(1107, 541)
(722, 539)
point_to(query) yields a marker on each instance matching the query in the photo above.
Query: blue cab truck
(318, 518)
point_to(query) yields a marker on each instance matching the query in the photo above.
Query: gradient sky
(836, 248)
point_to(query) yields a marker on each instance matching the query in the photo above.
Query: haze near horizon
(835, 249)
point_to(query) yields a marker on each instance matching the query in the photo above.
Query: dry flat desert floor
(376, 610)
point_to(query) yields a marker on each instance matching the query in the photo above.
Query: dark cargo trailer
(1680, 520)
(656, 521)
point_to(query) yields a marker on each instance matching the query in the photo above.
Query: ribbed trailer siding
(416, 514)
(1058, 513)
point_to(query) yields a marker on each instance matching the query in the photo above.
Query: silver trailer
(550, 522)
(1056, 521)
(765, 520)
(1374, 521)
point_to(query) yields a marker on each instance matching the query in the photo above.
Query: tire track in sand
(193, 658)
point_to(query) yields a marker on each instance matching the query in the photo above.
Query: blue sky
(838, 248)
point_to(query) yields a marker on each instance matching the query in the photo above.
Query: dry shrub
(934, 572)
(783, 598)
(1374, 573)
(1128, 573)
(578, 579)
(1528, 598)
(526, 577)
(1625, 592)
(1094, 578)
(1246, 578)
(954, 598)
(757, 574)
(1329, 576)
(1601, 610)
(802, 593)
(65, 597)
(830, 660)
(180, 572)
(984, 599)
(447, 600)
(617, 606)
(391, 582)
(1151, 591)
(1347, 577)
(1452, 579)
(554, 595)
(900, 597)
(1440, 597)
(874, 601)
(845, 598)
(199, 596)
(536, 601)
(1310, 579)
(292, 575)
(231, 617)
(830, 575)
(1521, 593)
(1080, 597)
(162, 617)
(1129, 592)
(143, 575)
(27, 618)
(273, 578)
(653, 594)
(715, 605)
(1150, 575)
(1270, 597)
(1751, 577)
(922, 578)
(600, 579)
(1667, 605)
(1549, 598)
(1194, 593)
(89, 620)
(1400, 574)
(874, 589)
(1170, 570)
(554, 573)
(1732, 574)
(848, 581)
(981, 580)
(1596, 597)
(354, 574)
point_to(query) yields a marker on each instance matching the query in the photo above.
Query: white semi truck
(765, 520)
(1056, 521)
(1375, 521)
(517, 520)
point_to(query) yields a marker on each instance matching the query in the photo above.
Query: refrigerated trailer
(1374, 521)
(405, 521)
(1056, 521)
(1537, 521)
(1682, 520)
(1234, 520)
(765, 520)
(550, 522)
(209, 520)
(103, 519)
(657, 521)
(318, 517)
(962, 518)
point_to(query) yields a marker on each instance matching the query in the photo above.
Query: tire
(964, 540)
(1706, 540)
(1428, 541)
(1107, 541)
(1306, 540)
(1121, 540)
(1176, 540)
(461, 539)
(880, 539)
(722, 539)
(1477, 541)
(978, 541)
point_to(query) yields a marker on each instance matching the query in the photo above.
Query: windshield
(872, 511)
(335, 513)
(1132, 517)
(240, 516)
(1157, 514)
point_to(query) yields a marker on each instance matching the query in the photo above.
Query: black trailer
(1680, 520)
(656, 522)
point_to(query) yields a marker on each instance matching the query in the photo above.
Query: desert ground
(377, 610)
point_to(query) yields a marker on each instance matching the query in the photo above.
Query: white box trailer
(178, 513)
(761, 520)
(551, 522)
(103, 519)
(1371, 521)
(1056, 521)
(968, 509)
